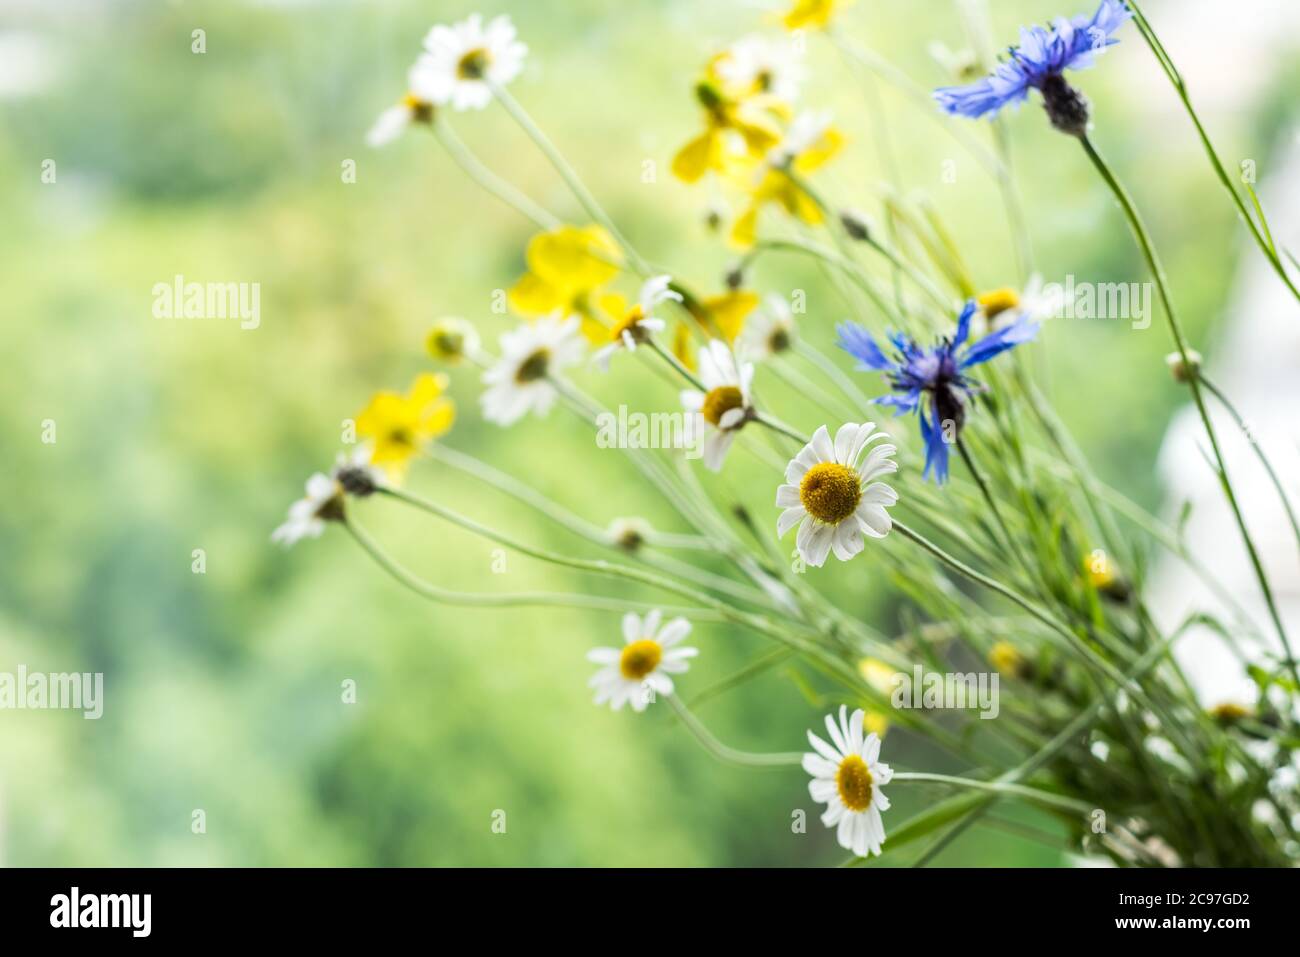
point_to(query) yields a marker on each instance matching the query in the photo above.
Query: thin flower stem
(446, 596)
(997, 787)
(744, 759)
(490, 181)
(1215, 391)
(1041, 614)
(676, 364)
(1258, 231)
(776, 425)
(568, 174)
(1009, 540)
(1157, 272)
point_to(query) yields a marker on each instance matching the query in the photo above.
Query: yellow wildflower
(748, 123)
(401, 425)
(567, 267)
(810, 143)
(1005, 657)
(812, 13)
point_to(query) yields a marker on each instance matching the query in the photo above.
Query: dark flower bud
(855, 225)
(1066, 107)
(356, 480)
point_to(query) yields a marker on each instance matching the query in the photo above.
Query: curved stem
(996, 787)
(568, 174)
(1215, 391)
(1158, 274)
(744, 759)
(490, 181)
(448, 596)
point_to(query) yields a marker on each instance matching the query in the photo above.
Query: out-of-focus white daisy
(393, 122)
(726, 405)
(769, 331)
(640, 669)
(847, 776)
(520, 382)
(307, 516)
(353, 474)
(832, 498)
(463, 61)
(640, 322)
(1001, 307)
(756, 65)
(629, 534)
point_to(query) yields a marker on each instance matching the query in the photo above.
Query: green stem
(1157, 272)
(1046, 798)
(568, 174)
(490, 181)
(1259, 452)
(447, 596)
(744, 759)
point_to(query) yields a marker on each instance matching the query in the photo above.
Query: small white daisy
(762, 65)
(639, 670)
(832, 499)
(769, 331)
(640, 322)
(520, 382)
(726, 405)
(463, 59)
(307, 516)
(847, 776)
(393, 122)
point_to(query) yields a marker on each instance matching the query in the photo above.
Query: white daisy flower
(640, 322)
(463, 61)
(520, 382)
(832, 499)
(758, 64)
(727, 405)
(307, 516)
(413, 108)
(769, 330)
(356, 473)
(847, 776)
(639, 670)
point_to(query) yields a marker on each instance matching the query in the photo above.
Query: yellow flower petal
(533, 296)
(698, 157)
(574, 258)
(730, 310)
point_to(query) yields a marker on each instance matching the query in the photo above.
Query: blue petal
(857, 342)
(963, 324)
(1008, 337)
(906, 402)
(936, 450)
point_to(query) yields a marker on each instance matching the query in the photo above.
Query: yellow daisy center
(640, 658)
(720, 401)
(631, 325)
(998, 301)
(401, 435)
(474, 64)
(534, 367)
(421, 111)
(830, 492)
(853, 781)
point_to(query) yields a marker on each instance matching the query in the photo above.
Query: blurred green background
(223, 688)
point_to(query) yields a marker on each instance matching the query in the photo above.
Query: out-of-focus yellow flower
(810, 143)
(727, 313)
(683, 347)
(1230, 712)
(567, 267)
(738, 131)
(812, 13)
(875, 723)
(1005, 657)
(1099, 569)
(401, 425)
(877, 674)
(997, 301)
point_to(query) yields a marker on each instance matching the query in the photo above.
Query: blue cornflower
(934, 377)
(1038, 61)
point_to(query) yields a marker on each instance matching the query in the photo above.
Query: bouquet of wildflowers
(920, 450)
